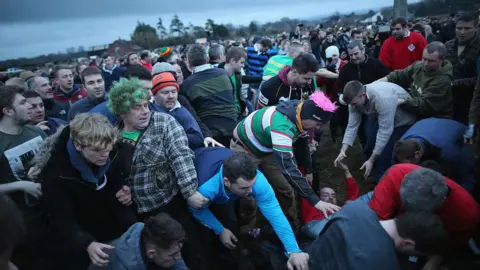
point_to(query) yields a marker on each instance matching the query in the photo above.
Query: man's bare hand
(43, 126)
(298, 261)
(341, 156)
(124, 196)
(197, 200)
(208, 141)
(228, 239)
(327, 208)
(96, 254)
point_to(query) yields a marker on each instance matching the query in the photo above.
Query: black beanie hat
(310, 110)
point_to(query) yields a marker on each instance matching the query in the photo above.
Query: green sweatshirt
(431, 91)
(275, 64)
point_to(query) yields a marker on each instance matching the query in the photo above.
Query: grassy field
(329, 176)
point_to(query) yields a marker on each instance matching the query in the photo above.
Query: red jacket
(147, 65)
(460, 213)
(399, 54)
(310, 213)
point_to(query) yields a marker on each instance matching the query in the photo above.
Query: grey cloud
(46, 10)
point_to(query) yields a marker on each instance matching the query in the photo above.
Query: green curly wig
(125, 94)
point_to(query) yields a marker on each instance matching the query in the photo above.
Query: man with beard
(430, 84)
(291, 83)
(49, 125)
(42, 86)
(66, 93)
(94, 83)
(403, 48)
(464, 54)
(19, 143)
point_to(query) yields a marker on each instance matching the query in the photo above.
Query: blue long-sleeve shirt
(181, 114)
(209, 164)
(447, 136)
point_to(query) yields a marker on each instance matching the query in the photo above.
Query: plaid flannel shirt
(162, 164)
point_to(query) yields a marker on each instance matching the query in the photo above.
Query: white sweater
(382, 104)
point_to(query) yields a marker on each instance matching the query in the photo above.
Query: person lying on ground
(314, 219)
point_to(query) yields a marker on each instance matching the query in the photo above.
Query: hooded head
(315, 111)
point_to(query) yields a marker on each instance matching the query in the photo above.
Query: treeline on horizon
(150, 37)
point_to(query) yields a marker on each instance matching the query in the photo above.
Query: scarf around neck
(81, 164)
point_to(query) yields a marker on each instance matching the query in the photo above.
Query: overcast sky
(33, 27)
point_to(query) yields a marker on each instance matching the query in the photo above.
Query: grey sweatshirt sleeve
(386, 108)
(354, 121)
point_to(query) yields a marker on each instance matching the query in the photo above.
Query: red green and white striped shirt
(266, 130)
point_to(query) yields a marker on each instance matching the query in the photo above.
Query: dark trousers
(38, 251)
(192, 251)
(384, 161)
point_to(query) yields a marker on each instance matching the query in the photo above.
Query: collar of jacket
(366, 60)
(201, 68)
(60, 94)
(88, 174)
(177, 106)
(109, 70)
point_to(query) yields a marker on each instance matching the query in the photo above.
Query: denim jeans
(384, 161)
(315, 227)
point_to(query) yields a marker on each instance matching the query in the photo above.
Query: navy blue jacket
(54, 124)
(182, 115)
(113, 76)
(447, 136)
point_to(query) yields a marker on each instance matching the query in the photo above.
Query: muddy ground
(329, 176)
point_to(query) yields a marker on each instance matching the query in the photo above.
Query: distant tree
(371, 12)
(210, 22)
(242, 32)
(199, 32)
(336, 16)
(161, 29)
(81, 49)
(220, 31)
(71, 50)
(253, 27)
(145, 36)
(176, 26)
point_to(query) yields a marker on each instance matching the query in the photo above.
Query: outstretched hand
(327, 207)
(208, 141)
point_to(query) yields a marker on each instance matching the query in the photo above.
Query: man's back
(275, 64)
(353, 239)
(427, 129)
(211, 94)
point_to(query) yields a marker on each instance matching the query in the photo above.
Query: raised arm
(268, 204)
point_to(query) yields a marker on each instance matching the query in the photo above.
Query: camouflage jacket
(465, 65)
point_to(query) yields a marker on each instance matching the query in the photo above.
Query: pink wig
(322, 101)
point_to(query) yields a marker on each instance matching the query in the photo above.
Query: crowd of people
(161, 160)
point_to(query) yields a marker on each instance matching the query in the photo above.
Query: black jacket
(79, 214)
(367, 72)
